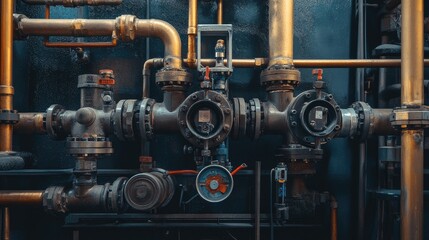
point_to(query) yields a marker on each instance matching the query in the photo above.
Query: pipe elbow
(169, 36)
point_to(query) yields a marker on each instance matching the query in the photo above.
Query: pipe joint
(125, 26)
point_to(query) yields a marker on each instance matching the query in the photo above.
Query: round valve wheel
(214, 183)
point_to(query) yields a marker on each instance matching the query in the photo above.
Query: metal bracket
(214, 30)
(8, 116)
(410, 118)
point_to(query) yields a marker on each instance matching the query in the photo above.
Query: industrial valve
(314, 117)
(205, 118)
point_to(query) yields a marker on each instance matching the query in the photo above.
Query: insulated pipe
(126, 27)
(192, 31)
(15, 198)
(412, 95)
(281, 32)
(73, 3)
(6, 60)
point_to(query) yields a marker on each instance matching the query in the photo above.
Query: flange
(205, 116)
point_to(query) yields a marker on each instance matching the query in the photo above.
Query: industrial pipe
(312, 63)
(192, 31)
(334, 218)
(73, 3)
(125, 27)
(220, 12)
(15, 198)
(30, 123)
(281, 32)
(6, 59)
(153, 62)
(6, 224)
(412, 95)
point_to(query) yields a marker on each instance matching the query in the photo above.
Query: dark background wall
(44, 76)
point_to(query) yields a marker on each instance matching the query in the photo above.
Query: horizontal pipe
(73, 3)
(15, 198)
(30, 123)
(382, 125)
(313, 63)
(125, 27)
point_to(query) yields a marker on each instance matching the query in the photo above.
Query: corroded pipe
(73, 3)
(15, 198)
(125, 27)
(6, 60)
(281, 32)
(30, 123)
(412, 94)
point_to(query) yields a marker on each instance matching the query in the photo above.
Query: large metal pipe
(192, 31)
(312, 63)
(30, 123)
(412, 94)
(6, 59)
(18, 198)
(281, 32)
(126, 27)
(73, 3)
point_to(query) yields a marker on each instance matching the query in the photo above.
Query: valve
(314, 117)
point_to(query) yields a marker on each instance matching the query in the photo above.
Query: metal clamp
(410, 118)
(8, 116)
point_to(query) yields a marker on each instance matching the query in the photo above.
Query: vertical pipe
(360, 96)
(6, 223)
(220, 12)
(192, 30)
(281, 32)
(6, 89)
(258, 200)
(412, 140)
(334, 218)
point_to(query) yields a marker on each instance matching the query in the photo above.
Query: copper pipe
(73, 3)
(412, 94)
(49, 44)
(334, 218)
(192, 31)
(281, 32)
(30, 123)
(6, 224)
(179, 172)
(220, 12)
(15, 198)
(126, 27)
(314, 63)
(6, 60)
